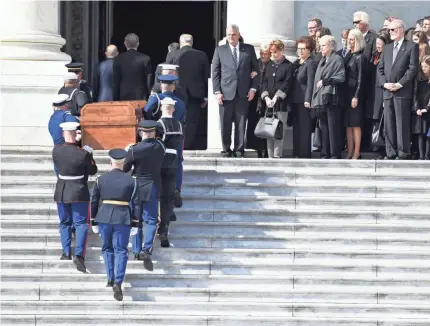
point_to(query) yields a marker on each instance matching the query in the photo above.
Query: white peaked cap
(167, 101)
(70, 76)
(69, 126)
(166, 66)
(60, 98)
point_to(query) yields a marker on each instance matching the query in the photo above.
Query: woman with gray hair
(354, 92)
(330, 73)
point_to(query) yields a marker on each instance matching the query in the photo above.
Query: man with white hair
(103, 78)
(77, 98)
(361, 21)
(234, 88)
(132, 72)
(193, 79)
(396, 72)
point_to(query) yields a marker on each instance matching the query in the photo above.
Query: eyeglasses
(393, 29)
(356, 22)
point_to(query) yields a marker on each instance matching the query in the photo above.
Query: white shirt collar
(399, 43)
(364, 35)
(232, 47)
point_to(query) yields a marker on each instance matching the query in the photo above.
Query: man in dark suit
(103, 78)
(132, 72)
(361, 21)
(232, 65)
(193, 79)
(397, 70)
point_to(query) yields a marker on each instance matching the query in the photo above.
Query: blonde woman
(354, 89)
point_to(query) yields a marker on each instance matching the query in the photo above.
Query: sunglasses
(393, 29)
(356, 22)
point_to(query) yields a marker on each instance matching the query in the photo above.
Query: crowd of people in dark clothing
(371, 95)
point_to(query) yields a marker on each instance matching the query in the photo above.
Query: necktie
(395, 51)
(235, 56)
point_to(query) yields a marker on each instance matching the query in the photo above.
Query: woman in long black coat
(257, 107)
(301, 97)
(355, 71)
(375, 91)
(421, 108)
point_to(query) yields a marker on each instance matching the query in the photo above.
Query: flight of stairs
(257, 242)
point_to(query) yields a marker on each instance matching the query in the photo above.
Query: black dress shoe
(147, 261)
(227, 154)
(173, 218)
(177, 201)
(164, 240)
(110, 283)
(266, 155)
(389, 158)
(80, 264)
(65, 257)
(260, 154)
(137, 257)
(239, 154)
(117, 292)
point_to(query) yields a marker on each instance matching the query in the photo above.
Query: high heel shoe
(356, 158)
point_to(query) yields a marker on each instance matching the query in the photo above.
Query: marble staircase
(257, 242)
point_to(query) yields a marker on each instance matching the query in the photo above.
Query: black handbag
(378, 138)
(317, 136)
(269, 127)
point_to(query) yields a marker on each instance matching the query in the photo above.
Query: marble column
(32, 68)
(261, 21)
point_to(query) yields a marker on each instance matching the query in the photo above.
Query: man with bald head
(103, 77)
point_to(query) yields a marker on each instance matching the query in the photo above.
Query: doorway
(159, 23)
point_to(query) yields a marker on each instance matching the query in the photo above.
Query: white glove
(88, 149)
(268, 101)
(127, 148)
(133, 231)
(95, 229)
(78, 135)
(274, 100)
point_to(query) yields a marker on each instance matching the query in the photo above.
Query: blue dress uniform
(72, 195)
(119, 212)
(146, 157)
(58, 117)
(152, 111)
(172, 138)
(83, 85)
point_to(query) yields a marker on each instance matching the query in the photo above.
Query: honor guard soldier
(83, 85)
(147, 158)
(78, 99)
(71, 194)
(61, 114)
(117, 216)
(152, 111)
(168, 69)
(172, 139)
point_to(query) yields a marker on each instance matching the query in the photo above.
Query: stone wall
(337, 15)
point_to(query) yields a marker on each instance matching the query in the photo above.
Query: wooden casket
(108, 125)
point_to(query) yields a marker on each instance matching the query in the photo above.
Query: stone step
(24, 212)
(252, 189)
(198, 202)
(98, 292)
(216, 308)
(240, 229)
(296, 281)
(114, 320)
(259, 241)
(287, 256)
(346, 177)
(249, 267)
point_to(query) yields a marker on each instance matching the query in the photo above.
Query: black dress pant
(167, 195)
(302, 131)
(235, 111)
(193, 111)
(330, 132)
(253, 142)
(397, 124)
